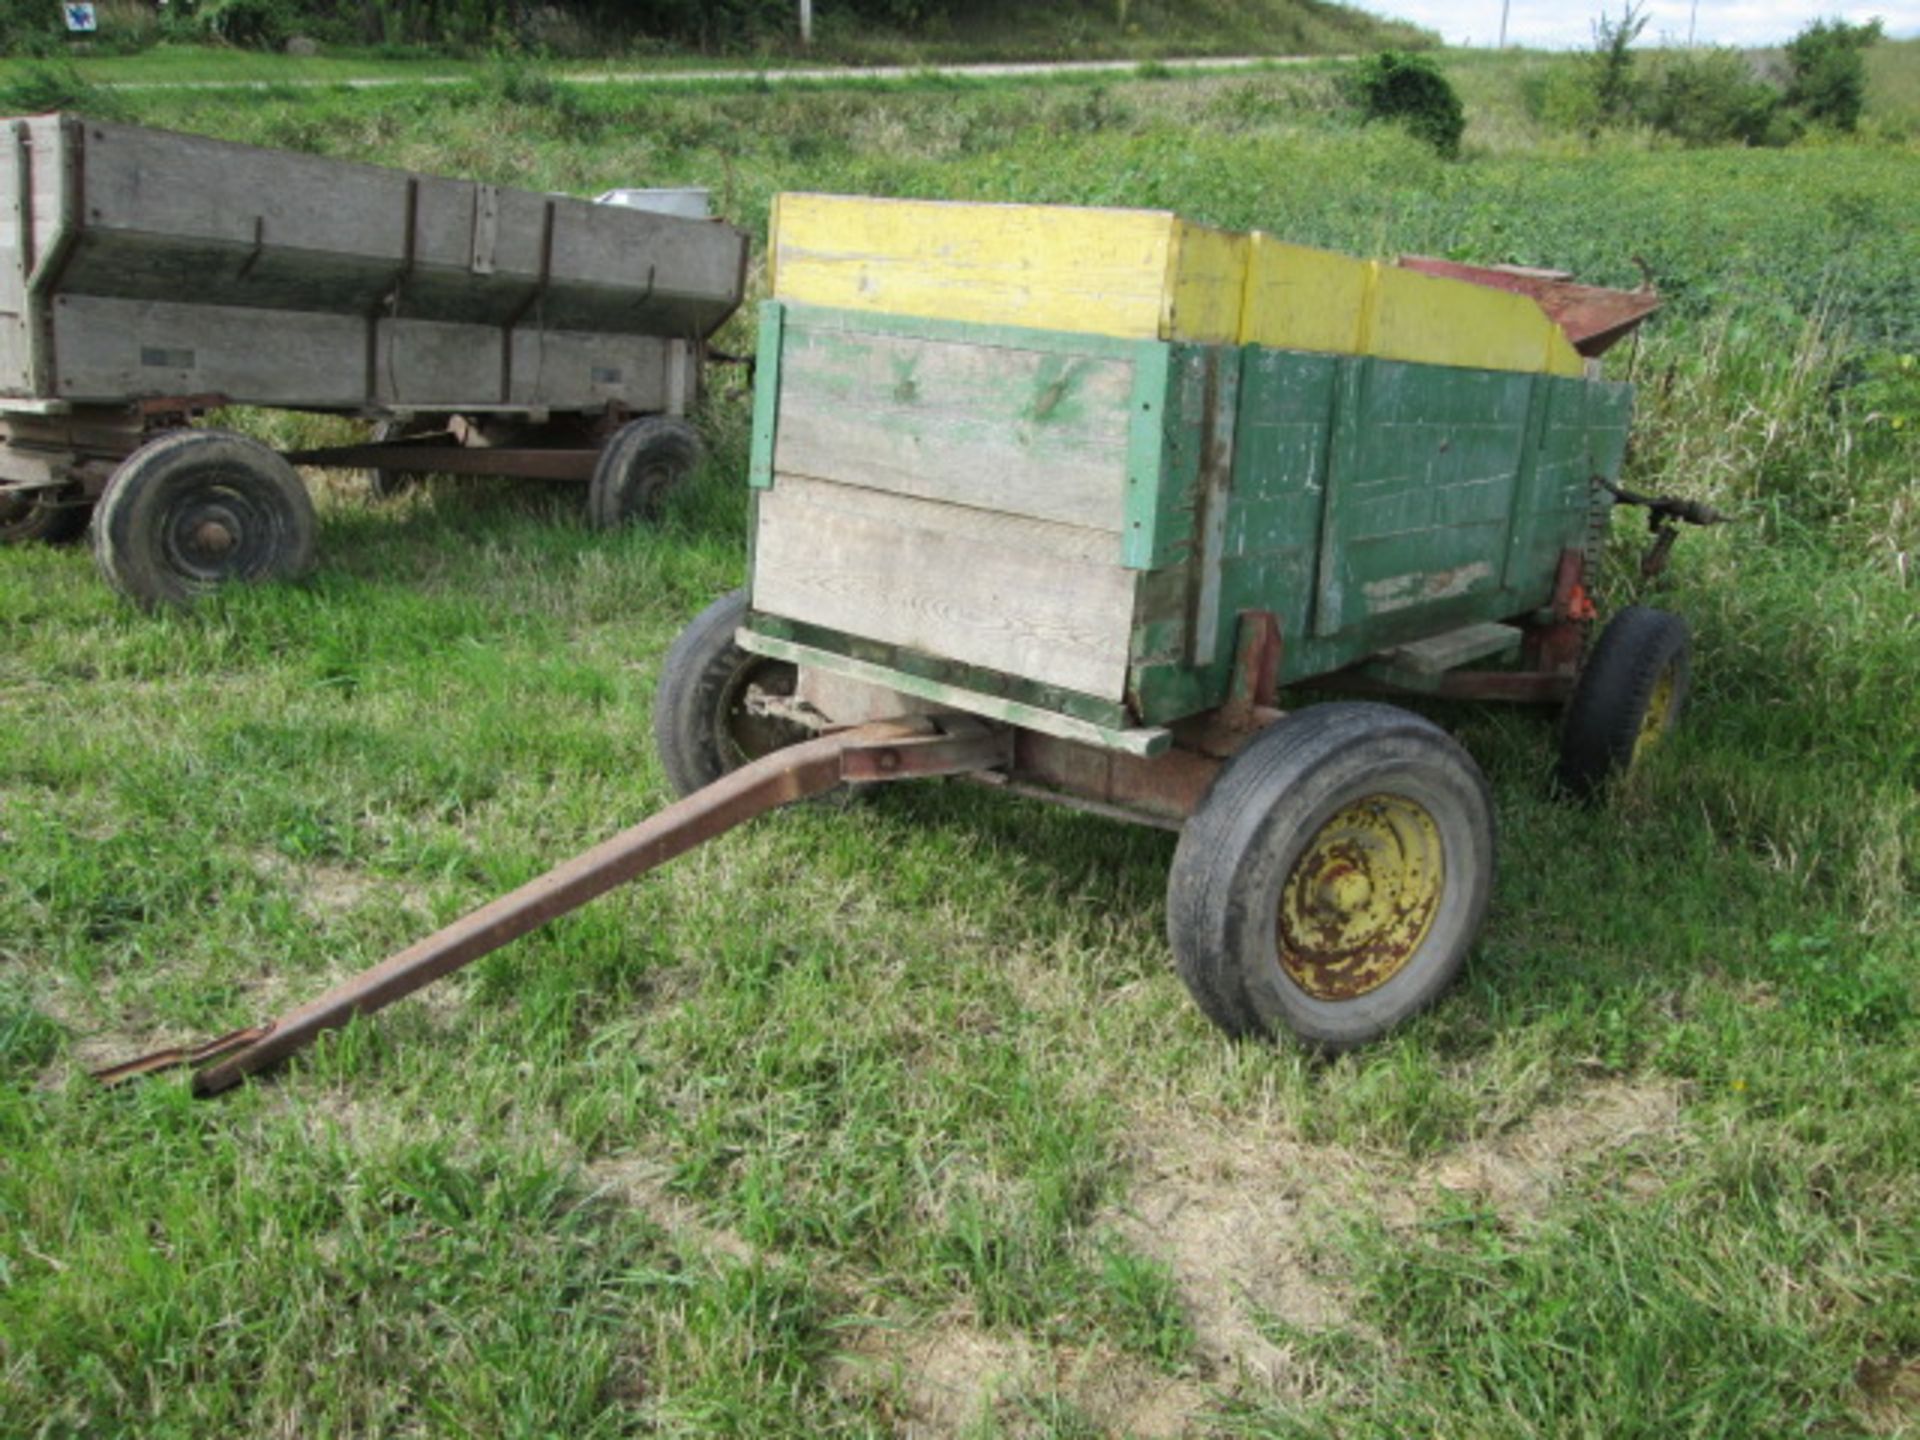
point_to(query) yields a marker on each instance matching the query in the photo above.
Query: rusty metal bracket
(886, 750)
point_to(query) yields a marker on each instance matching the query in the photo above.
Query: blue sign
(81, 18)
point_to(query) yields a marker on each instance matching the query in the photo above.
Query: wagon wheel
(704, 723)
(197, 509)
(637, 467)
(383, 481)
(1629, 695)
(1334, 877)
(42, 515)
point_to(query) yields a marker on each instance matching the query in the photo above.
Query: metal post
(1505, 6)
(1693, 20)
(806, 22)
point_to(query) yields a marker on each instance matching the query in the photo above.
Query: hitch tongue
(885, 750)
(1665, 513)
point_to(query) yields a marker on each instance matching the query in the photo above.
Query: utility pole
(806, 22)
(1693, 20)
(1505, 6)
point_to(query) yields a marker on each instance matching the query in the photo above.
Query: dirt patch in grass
(324, 890)
(951, 1378)
(641, 1181)
(1243, 1219)
(90, 1044)
(1517, 1172)
(1235, 1219)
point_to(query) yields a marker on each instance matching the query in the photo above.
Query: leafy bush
(1829, 71)
(1412, 90)
(1713, 97)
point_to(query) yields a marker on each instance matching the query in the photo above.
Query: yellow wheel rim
(1361, 898)
(1653, 724)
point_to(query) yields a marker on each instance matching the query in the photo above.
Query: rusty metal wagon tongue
(868, 754)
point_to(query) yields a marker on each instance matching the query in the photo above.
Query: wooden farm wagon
(1064, 499)
(147, 278)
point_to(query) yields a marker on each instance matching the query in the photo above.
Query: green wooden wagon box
(1224, 466)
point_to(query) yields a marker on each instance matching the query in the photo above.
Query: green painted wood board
(1437, 474)
(766, 395)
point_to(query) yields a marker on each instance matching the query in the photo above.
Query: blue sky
(1548, 25)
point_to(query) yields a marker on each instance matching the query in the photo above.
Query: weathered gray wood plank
(1031, 598)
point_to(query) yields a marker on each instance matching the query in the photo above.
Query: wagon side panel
(957, 499)
(176, 264)
(1425, 466)
(110, 349)
(1372, 503)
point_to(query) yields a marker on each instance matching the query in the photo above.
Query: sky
(1544, 24)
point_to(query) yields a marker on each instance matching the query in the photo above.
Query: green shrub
(1617, 90)
(1828, 64)
(1713, 97)
(1412, 90)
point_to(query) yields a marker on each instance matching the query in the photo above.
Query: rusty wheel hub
(1361, 898)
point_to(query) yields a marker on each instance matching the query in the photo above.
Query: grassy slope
(1078, 30)
(826, 1127)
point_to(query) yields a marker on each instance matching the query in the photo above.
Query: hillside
(852, 31)
(1087, 29)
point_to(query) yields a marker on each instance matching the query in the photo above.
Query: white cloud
(1542, 24)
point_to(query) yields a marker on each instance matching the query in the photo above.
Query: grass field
(893, 1118)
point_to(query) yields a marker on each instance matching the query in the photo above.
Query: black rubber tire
(42, 517)
(643, 460)
(1610, 705)
(1259, 818)
(151, 532)
(700, 723)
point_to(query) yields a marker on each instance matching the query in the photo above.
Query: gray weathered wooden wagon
(1062, 500)
(147, 278)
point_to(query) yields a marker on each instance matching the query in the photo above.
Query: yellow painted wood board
(1143, 274)
(1299, 298)
(1135, 274)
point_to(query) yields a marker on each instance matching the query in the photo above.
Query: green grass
(894, 1115)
